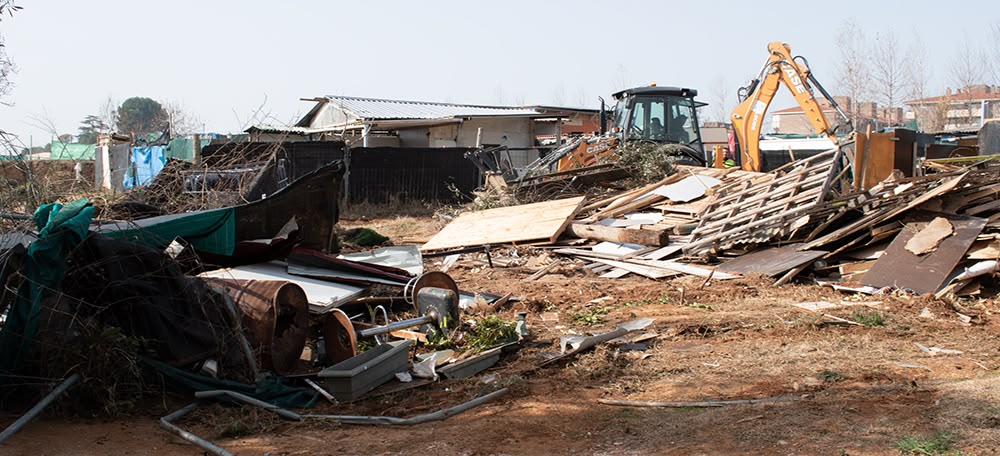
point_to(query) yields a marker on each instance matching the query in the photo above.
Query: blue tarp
(144, 164)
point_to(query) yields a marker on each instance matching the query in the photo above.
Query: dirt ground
(845, 389)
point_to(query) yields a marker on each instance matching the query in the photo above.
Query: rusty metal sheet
(924, 273)
(771, 262)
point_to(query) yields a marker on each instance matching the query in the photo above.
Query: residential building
(793, 120)
(965, 109)
(372, 122)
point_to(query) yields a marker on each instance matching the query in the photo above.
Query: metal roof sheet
(373, 108)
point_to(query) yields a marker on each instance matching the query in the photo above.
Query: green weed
(870, 318)
(939, 443)
(490, 331)
(829, 376)
(590, 317)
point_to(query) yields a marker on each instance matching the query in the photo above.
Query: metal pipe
(166, 423)
(249, 400)
(353, 419)
(433, 416)
(37, 409)
(409, 323)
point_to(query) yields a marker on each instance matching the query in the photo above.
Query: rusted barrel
(275, 316)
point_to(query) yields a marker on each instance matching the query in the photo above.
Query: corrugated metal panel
(373, 108)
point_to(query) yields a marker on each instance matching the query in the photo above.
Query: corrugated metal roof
(281, 129)
(373, 108)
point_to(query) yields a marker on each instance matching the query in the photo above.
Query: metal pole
(24, 419)
(249, 400)
(167, 423)
(396, 326)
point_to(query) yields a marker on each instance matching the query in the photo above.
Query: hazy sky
(222, 60)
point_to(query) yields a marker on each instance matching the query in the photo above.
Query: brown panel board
(772, 262)
(527, 222)
(925, 273)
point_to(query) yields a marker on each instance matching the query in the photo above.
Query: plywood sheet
(527, 222)
(924, 273)
(771, 262)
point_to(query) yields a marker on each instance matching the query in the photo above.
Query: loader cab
(666, 115)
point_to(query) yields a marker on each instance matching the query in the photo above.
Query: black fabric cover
(145, 293)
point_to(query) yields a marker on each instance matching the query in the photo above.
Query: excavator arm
(748, 116)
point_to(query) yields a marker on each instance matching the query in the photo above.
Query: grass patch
(590, 317)
(489, 332)
(662, 300)
(829, 376)
(698, 305)
(938, 443)
(870, 318)
(236, 429)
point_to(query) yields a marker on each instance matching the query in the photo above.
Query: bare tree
(994, 47)
(887, 72)
(181, 121)
(854, 75)
(916, 77)
(720, 97)
(623, 79)
(581, 97)
(559, 95)
(499, 96)
(108, 113)
(916, 72)
(968, 69)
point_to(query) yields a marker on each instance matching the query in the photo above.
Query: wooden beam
(656, 238)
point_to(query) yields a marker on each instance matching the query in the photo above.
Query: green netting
(70, 151)
(269, 388)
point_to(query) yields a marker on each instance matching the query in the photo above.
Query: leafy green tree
(141, 116)
(90, 127)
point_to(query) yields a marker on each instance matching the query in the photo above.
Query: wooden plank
(527, 222)
(689, 269)
(984, 250)
(658, 254)
(924, 273)
(946, 184)
(692, 208)
(855, 267)
(771, 262)
(651, 272)
(620, 235)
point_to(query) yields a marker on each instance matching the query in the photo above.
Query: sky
(233, 64)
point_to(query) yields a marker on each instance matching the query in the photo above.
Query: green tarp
(61, 229)
(212, 231)
(70, 151)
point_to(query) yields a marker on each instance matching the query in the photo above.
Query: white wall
(511, 132)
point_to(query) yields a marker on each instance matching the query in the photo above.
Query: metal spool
(339, 338)
(276, 316)
(435, 279)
